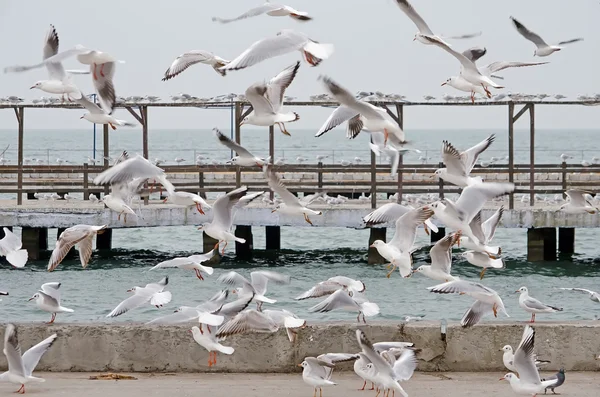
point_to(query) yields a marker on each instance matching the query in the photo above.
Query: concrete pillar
(35, 240)
(435, 237)
(566, 240)
(244, 250)
(541, 244)
(373, 257)
(104, 240)
(273, 237)
(2, 231)
(208, 243)
(72, 252)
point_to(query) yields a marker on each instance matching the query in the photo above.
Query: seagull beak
(30, 299)
(372, 246)
(299, 365)
(273, 211)
(444, 83)
(32, 87)
(81, 117)
(190, 331)
(503, 378)
(517, 291)
(129, 290)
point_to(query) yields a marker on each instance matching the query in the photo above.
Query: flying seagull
(543, 49)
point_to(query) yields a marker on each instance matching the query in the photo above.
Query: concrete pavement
(448, 384)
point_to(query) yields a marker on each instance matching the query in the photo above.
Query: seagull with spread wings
(11, 248)
(460, 164)
(273, 10)
(190, 58)
(594, 296)
(267, 101)
(578, 203)
(543, 49)
(48, 300)
(485, 232)
(244, 158)
(441, 260)
(154, 293)
(80, 235)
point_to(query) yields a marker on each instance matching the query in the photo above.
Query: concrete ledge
(138, 348)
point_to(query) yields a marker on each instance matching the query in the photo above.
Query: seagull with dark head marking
(543, 49)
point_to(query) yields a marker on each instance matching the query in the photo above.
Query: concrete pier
(208, 243)
(541, 244)
(244, 250)
(139, 348)
(273, 237)
(104, 240)
(35, 241)
(373, 257)
(566, 240)
(435, 237)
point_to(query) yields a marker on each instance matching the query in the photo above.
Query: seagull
(187, 199)
(441, 260)
(118, 205)
(332, 285)
(594, 296)
(285, 41)
(208, 340)
(98, 115)
(543, 49)
(257, 285)
(288, 320)
(317, 373)
(187, 59)
(398, 251)
(388, 374)
(48, 299)
(209, 313)
(193, 262)
(11, 248)
(340, 299)
(248, 321)
(222, 222)
(267, 100)
(459, 165)
(468, 68)
(486, 299)
(577, 203)
(483, 260)
(472, 199)
(484, 232)
(274, 10)
(20, 368)
(153, 293)
(508, 359)
(291, 204)
(374, 118)
(424, 30)
(390, 212)
(80, 235)
(244, 158)
(533, 306)
(524, 362)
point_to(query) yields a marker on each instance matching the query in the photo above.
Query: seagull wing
(441, 253)
(234, 278)
(338, 116)
(140, 297)
(126, 171)
(577, 197)
(223, 206)
(408, 9)
(380, 364)
(344, 97)
(278, 187)
(321, 289)
(286, 41)
(465, 62)
(355, 126)
(187, 59)
(528, 34)
(278, 84)
(406, 228)
(571, 41)
(456, 287)
(32, 357)
(239, 149)
(65, 242)
(10, 242)
(103, 83)
(533, 303)
(260, 278)
(475, 53)
(475, 313)
(405, 366)
(476, 227)
(247, 321)
(524, 359)
(55, 69)
(501, 65)
(250, 13)
(474, 197)
(587, 291)
(12, 351)
(85, 248)
(491, 224)
(235, 307)
(452, 159)
(389, 212)
(256, 94)
(89, 105)
(338, 300)
(469, 156)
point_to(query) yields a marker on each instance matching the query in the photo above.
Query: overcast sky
(373, 42)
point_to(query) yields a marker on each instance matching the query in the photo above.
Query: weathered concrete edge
(139, 348)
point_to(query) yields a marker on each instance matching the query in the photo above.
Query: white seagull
(485, 232)
(390, 212)
(508, 359)
(533, 306)
(220, 227)
(441, 260)
(578, 203)
(459, 165)
(131, 168)
(342, 300)
(317, 373)
(274, 10)
(244, 158)
(118, 205)
(99, 115)
(483, 260)
(193, 262)
(285, 41)
(10, 247)
(331, 285)
(48, 300)
(291, 205)
(153, 293)
(80, 235)
(257, 285)
(187, 59)
(424, 29)
(398, 251)
(375, 118)
(524, 361)
(543, 49)
(594, 296)
(208, 340)
(20, 368)
(288, 320)
(267, 100)
(187, 199)
(486, 299)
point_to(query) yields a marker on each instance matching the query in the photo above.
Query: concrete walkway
(580, 384)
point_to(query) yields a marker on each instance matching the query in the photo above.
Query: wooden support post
(19, 112)
(273, 237)
(105, 143)
(373, 181)
(104, 240)
(238, 139)
(400, 112)
(563, 167)
(208, 243)
(86, 191)
(272, 154)
(35, 240)
(373, 257)
(566, 240)
(511, 152)
(244, 250)
(144, 114)
(201, 192)
(320, 176)
(441, 183)
(435, 237)
(531, 155)
(541, 244)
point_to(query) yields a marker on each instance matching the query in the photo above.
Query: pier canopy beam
(435, 237)
(35, 240)
(244, 250)
(104, 240)
(541, 244)
(566, 240)
(373, 257)
(273, 237)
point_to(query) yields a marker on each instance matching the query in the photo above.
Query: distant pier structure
(547, 228)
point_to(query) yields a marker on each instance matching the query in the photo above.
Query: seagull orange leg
(198, 274)
(364, 384)
(94, 72)
(199, 208)
(372, 386)
(21, 390)
(102, 70)
(112, 126)
(385, 135)
(223, 251)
